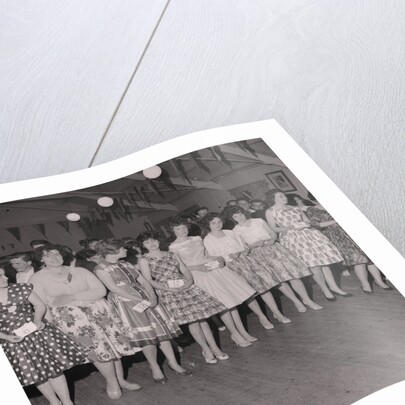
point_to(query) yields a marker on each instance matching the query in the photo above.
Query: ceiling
(203, 169)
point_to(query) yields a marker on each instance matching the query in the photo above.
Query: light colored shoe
(241, 344)
(114, 394)
(131, 386)
(209, 361)
(282, 318)
(252, 339)
(266, 324)
(222, 356)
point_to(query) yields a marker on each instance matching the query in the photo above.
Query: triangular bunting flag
(15, 232)
(65, 225)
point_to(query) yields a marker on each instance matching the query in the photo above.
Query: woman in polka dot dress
(41, 357)
(76, 305)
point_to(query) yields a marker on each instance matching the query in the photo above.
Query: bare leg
(237, 337)
(362, 275)
(269, 300)
(150, 352)
(120, 377)
(330, 280)
(209, 337)
(300, 289)
(255, 307)
(199, 336)
(320, 280)
(48, 392)
(289, 293)
(375, 272)
(107, 370)
(240, 327)
(167, 349)
(60, 386)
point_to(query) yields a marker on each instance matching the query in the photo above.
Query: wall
(54, 233)
(258, 173)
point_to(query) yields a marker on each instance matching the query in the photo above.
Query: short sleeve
(103, 267)
(19, 292)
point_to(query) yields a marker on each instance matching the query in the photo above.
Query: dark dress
(41, 355)
(351, 253)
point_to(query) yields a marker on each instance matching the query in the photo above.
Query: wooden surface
(128, 74)
(350, 349)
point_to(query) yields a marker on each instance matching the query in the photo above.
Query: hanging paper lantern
(105, 201)
(153, 172)
(73, 217)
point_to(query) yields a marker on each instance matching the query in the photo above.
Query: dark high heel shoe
(388, 288)
(367, 292)
(330, 299)
(162, 380)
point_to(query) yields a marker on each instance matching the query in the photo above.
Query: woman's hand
(187, 284)
(221, 261)
(39, 324)
(153, 302)
(259, 243)
(13, 338)
(271, 241)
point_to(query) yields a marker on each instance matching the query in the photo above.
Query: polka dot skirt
(41, 355)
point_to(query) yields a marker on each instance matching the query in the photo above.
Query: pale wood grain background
(82, 83)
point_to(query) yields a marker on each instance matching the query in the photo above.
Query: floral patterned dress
(93, 325)
(351, 253)
(43, 354)
(186, 306)
(150, 327)
(278, 264)
(311, 246)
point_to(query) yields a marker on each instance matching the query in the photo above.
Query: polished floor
(331, 357)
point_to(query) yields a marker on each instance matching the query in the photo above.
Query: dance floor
(335, 356)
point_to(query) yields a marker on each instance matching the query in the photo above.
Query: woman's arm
(40, 292)
(324, 224)
(149, 290)
(109, 282)
(39, 309)
(145, 270)
(186, 273)
(273, 225)
(11, 338)
(95, 289)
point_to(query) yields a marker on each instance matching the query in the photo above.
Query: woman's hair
(270, 196)
(9, 270)
(236, 210)
(86, 242)
(108, 246)
(209, 217)
(177, 221)
(144, 236)
(39, 242)
(26, 256)
(65, 252)
(291, 200)
(85, 254)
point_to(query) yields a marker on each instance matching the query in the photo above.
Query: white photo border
(375, 245)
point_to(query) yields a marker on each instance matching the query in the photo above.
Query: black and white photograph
(215, 277)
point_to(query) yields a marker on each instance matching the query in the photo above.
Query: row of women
(186, 285)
